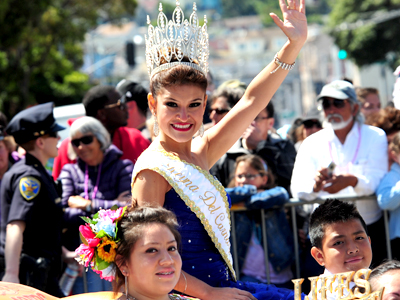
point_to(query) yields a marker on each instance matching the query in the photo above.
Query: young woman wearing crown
(173, 171)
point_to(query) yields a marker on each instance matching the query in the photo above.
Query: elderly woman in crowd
(99, 179)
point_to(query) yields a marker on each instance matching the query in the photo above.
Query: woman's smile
(168, 273)
(182, 126)
(179, 111)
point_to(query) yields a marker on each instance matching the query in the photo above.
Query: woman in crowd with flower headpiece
(173, 171)
(143, 259)
(99, 179)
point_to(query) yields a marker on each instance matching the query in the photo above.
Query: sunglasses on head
(312, 123)
(326, 103)
(86, 140)
(121, 104)
(219, 111)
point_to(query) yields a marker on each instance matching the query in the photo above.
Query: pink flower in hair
(107, 273)
(89, 236)
(86, 254)
(111, 214)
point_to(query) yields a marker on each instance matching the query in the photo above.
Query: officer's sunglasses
(219, 111)
(53, 134)
(86, 140)
(326, 103)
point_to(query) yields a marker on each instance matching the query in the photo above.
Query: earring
(156, 128)
(126, 286)
(201, 130)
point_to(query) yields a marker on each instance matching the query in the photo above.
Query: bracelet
(282, 65)
(185, 281)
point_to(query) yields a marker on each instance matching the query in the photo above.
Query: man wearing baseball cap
(136, 101)
(347, 158)
(30, 236)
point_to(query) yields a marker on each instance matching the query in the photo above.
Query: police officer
(30, 236)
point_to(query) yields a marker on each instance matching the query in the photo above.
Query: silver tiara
(178, 37)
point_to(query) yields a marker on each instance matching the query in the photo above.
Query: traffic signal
(130, 54)
(342, 54)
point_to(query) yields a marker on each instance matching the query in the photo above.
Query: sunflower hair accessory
(171, 41)
(99, 241)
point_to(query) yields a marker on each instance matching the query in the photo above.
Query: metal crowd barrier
(292, 204)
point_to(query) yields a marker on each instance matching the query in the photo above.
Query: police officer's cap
(33, 123)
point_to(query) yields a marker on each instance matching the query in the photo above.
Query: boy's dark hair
(331, 211)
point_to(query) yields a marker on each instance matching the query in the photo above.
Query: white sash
(204, 195)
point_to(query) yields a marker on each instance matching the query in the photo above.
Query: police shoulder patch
(29, 187)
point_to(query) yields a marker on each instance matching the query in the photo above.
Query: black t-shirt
(29, 194)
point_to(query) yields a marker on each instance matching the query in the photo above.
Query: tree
(233, 8)
(365, 31)
(40, 48)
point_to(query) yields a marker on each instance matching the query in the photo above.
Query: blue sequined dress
(202, 260)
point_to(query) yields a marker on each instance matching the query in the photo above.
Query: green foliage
(372, 42)
(40, 48)
(264, 8)
(100, 264)
(101, 234)
(233, 8)
(87, 220)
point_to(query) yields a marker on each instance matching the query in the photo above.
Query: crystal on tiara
(177, 38)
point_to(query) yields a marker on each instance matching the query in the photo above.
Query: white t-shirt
(364, 154)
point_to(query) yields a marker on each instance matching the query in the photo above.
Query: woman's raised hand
(294, 24)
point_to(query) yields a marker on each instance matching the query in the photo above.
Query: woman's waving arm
(219, 138)
(149, 188)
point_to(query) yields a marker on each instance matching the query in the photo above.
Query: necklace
(96, 187)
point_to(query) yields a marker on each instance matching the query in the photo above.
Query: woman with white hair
(99, 179)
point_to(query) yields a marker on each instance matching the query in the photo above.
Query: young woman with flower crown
(136, 249)
(173, 171)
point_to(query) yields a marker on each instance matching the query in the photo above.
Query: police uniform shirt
(29, 194)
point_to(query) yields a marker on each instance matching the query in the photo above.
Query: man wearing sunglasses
(347, 158)
(31, 221)
(258, 139)
(106, 104)
(222, 101)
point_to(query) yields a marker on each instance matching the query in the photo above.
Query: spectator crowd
(346, 145)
